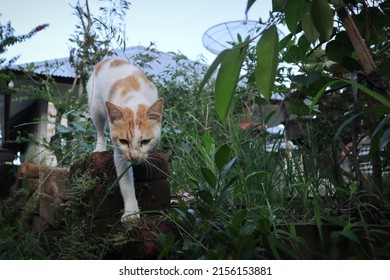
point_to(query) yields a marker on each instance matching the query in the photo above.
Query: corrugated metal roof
(62, 68)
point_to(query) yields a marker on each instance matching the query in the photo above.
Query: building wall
(36, 117)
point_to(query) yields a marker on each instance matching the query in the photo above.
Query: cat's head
(135, 132)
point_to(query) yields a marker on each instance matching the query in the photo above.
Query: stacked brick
(39, 196)
(43, 196)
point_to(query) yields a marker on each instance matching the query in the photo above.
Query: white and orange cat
(121, 95)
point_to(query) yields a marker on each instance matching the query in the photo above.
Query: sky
(173, 25)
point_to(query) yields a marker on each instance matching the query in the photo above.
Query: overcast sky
(174, 25)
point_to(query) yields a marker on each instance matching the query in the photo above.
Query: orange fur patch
(141, 115)
(117, 62)
(128, 117)
(124, 86)
(126, 126)
(99, 66)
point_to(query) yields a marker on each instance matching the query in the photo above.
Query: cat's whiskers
(152, 163)
(122, 161)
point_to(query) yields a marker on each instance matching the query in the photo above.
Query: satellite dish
(222, 36)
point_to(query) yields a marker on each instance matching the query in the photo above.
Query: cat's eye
(124, 142)
(145, 142)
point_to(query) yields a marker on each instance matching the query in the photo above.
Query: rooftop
(156, 66)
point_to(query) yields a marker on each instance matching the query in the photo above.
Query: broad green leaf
(299, 108)
(322, 16)
(222, 156)
(278, 5)
(239, 218)
(246, 231)
(212, 69)
(293, 12)
(209, 176)
(350, 235)
(227, 79)
(222, 237)
(340, 47)
(308, 27)
(62, 129)
(267, 50)
(206, 197)
(306, 79)
(78, 126)
(223, 195)
(284, 42)
(303, 45)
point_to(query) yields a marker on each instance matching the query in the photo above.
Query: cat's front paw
(129, 216)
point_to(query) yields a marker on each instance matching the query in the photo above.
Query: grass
(16, 242)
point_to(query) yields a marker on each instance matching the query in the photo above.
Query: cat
(120, 94)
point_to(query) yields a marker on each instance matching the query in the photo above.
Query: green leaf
(340, 47)
(223, 195)
(228, 166)
(267, 61)
(206, 196)
(322, 16)
(299, 108)
(350, 235)
(78, 126)
(62, 129)
(278, 5)
(209, 176)
(227, 79)
(222, 237)
(284, 42)
(317, 217)
(293, 12)
(303, 45)
(212, 69)
(306, 79)
(164, 243)
(239, 218)
(308, 27)
(222, 156)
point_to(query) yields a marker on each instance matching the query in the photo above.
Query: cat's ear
(155, 110)
(114, 112)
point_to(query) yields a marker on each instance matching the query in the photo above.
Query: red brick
(51, 209)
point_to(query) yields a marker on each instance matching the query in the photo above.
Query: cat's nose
(134, 157)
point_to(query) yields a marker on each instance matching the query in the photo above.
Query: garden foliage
(249, 191)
